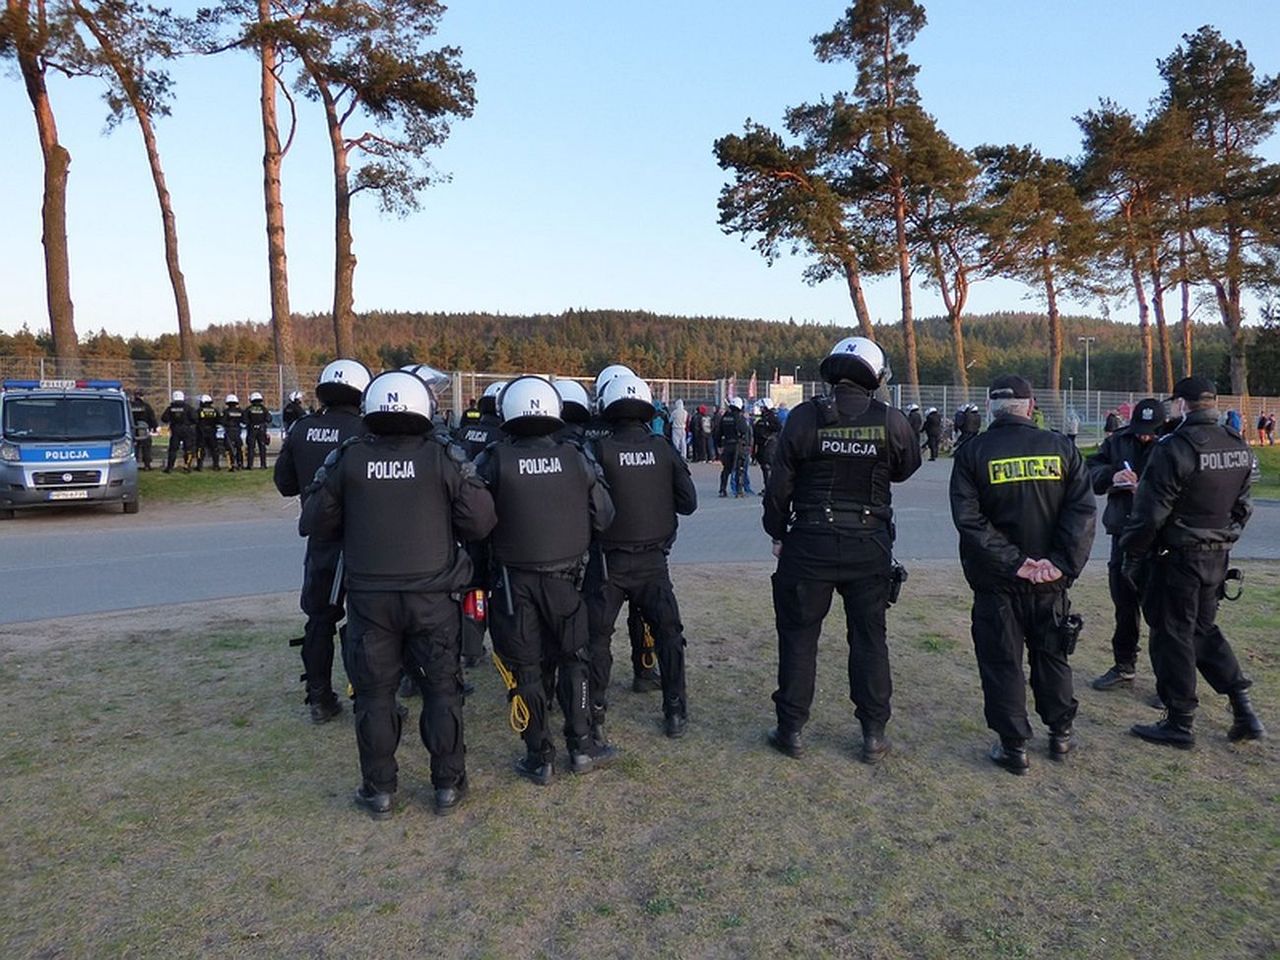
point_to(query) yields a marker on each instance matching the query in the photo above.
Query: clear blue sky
(585, 178)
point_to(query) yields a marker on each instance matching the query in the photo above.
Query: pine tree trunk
(53, 211)
(1144, 322)
(277, 261)
(1055, 327)
(1162, 326)
(1184, 286)
(854, 279)
(957, 348)
(904, 283)
(344, 264)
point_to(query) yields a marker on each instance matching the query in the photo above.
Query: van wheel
(131, 506)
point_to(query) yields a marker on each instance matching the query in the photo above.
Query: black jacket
(734, 429)
(933, 424)
(1123, 446)
(1195, 491)
(649, 484)
(305, 448)
(1018, 492)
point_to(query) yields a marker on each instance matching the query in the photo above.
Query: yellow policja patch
(1018, 469)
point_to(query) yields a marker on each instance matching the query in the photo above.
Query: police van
(65, 441)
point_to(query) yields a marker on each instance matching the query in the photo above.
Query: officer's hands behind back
(1038, 571)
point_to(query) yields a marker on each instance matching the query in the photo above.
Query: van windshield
(63, 418)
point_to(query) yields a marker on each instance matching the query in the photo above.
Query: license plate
(69, 495)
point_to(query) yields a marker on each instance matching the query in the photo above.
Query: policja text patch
(851, 441)
(1019, 469)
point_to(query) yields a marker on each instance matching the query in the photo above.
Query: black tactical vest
(397, 517)
(233, 418)
(845, 467)
(1223, 462)
(542, 500)
(139, 412)
(259, 416)
(179, 414)
(207, 418)
(639, 474)
(474, 435)
(312, 437)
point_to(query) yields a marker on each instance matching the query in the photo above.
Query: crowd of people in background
(207, 432)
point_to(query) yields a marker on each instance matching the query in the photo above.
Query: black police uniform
(257, 420)
(181, 419)
(915, 420)
(293, 412)
(474, 434)
(933, 433)
(144, 421)
(207, 422)
(1123, 446)
(733, 437)
(233, 430)
(1019, 492)
(828, 502)
(399, 504)
(302, 454)
(549, 500)
(1191, 506)
(765, 441)
(650, 484)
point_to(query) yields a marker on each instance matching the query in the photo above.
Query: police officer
(575, 410)
(144, 421)
(207, 422)
(1021, 500)
(650, 484)
(293, 410)
(257, 419)
(827, 508)
(1191, 506)
(233, 432)
(914, 418)
(733, 437)
(599, 426)
(549, 500)
(181, 419)
(473, 435)
(400, 499)
(1115, 470)
(932, 431)
(304, 450)
(765, 438)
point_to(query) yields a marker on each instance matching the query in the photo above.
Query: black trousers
(1004, 623)
(235, 452)
(643, 579)
(1181, 604)
(257, 444)
(389, 633)
(731, 465)
(208, 444)
(932, 441)
(142, 450)
(540, 626)
(318, 568)
(816, 562)
(1128, 609)
(644, 652)
(184, 438)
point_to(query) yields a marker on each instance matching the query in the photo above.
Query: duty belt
(1216, 546)
(841, 516)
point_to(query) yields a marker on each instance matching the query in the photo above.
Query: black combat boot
(874, 742)
(598, 736)
(533, 768)
(646, 680)
(1245, 725)
(1011, 754)
(374, 802)
(588, 756)
(1120, 675)
(675, 719)
(1173, 729)
(448, 798)
(324, 705)
(787, 741)
(1061, 742)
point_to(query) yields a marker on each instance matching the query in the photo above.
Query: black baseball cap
(1195, 388)
(1147, 416)
(1010, 386)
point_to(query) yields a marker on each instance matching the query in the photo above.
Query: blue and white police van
(65, 442)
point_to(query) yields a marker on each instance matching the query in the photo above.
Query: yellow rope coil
(648, 659)
(519, 718)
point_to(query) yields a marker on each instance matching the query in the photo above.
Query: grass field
(1268, 488)
(163, 797)
(202, 486)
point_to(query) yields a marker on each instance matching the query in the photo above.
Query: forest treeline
(581, 342)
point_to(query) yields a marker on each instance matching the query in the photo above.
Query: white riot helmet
(857, 359)
(530, 406)
(433, 378)
(342, 381)
(626, 397)
(766, 403)
(489, 399)
(735, 403)
(575, 405)
(398, 402)
(232, 398)
(295, 395)
(931, 410)
(205, 398)
(255, 397)
(179, 396)
(608, 373)
(912, 406)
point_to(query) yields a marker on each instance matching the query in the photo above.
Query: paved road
(74, 562)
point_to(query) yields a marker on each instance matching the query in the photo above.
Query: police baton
(336, 590)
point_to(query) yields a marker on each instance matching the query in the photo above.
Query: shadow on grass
(164, 797)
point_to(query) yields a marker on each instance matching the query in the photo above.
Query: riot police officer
(733, 437)
(304, 450)
(400, 499)
(257, 419)
(932, 431)
(650, 484)
(575, 410)
(181, 419)
(1116, 470)
(207, 422)
(549, 500)
(915, 418)
(827, 508)
(1022, 503)
(1191, 506)
(598, 426)
(293, 410)
(233, 432)
(765, 438)
(473, 435)
(144, 421)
